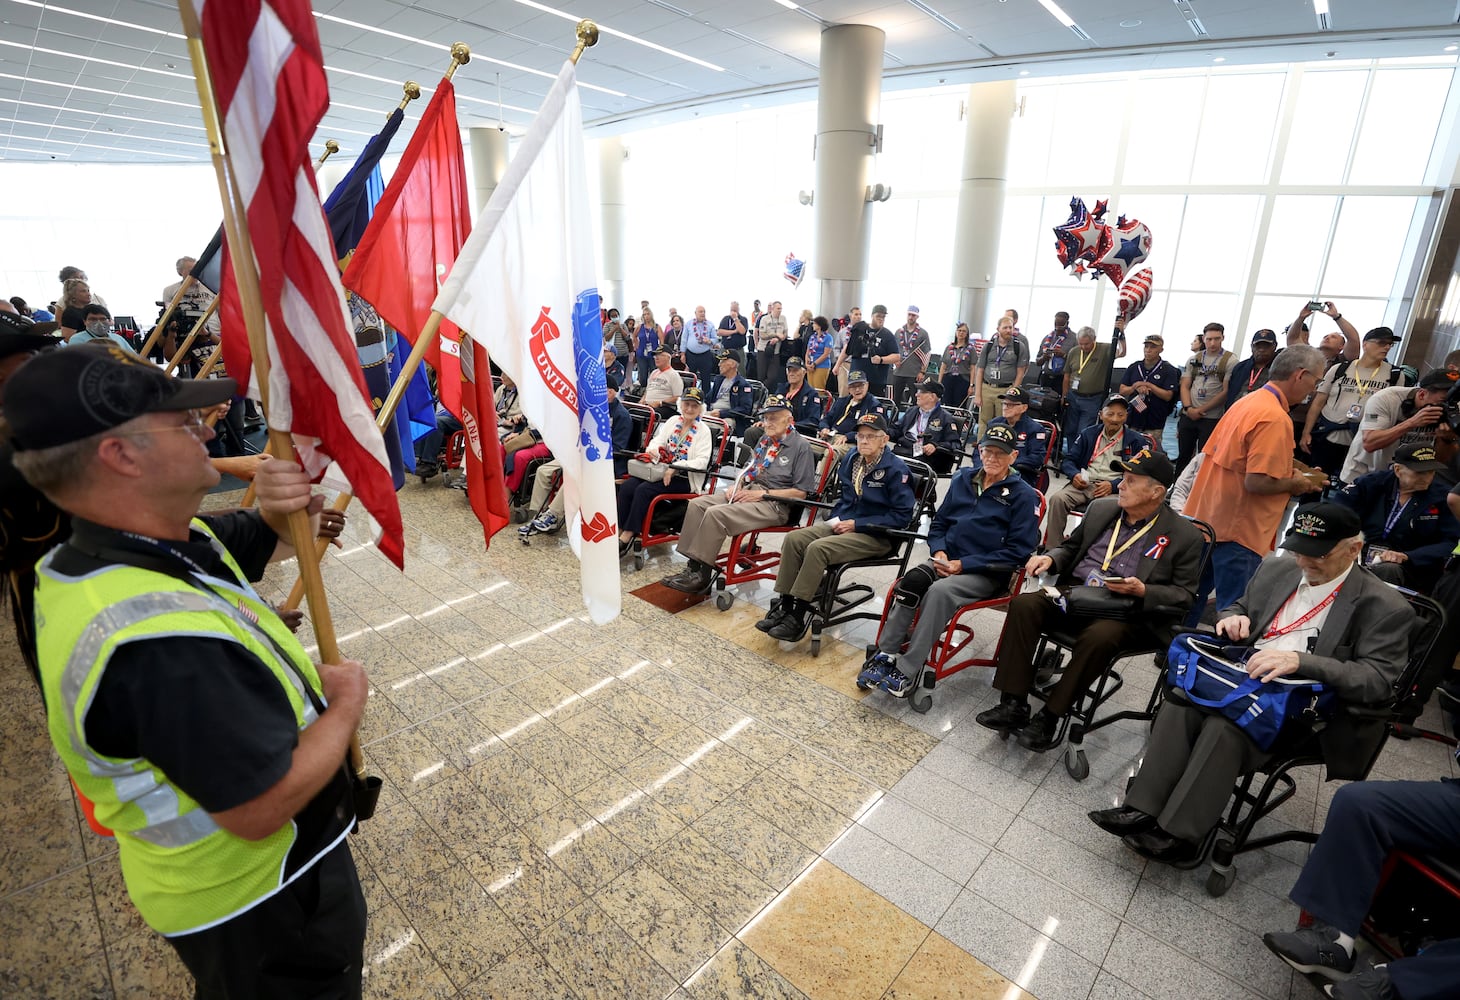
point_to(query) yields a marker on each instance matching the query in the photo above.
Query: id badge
(994, 374)
(1355, 412)
(1075, 384)
(1376, 554)
(1095, 580)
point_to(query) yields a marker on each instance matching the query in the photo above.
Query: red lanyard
(1100, 451)
(1256, 374)
(1273, 632)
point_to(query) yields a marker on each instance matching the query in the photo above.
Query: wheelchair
(836, 604)
(745, 560)
(665, 516)
(1364, 727)
(1080, 721)
(945, 658)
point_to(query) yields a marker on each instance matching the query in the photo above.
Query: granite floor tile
(713, 880)
(463, 739)
(402, 849)
(988, 780)
(940, 970)
(1079, 870)
(790, 807)
(1156, 969)
(954, 805)
(118, 917)
(53, 940)
(677, 934)
(629, 813)
(605, 737)
(1107, 987)
(39, 838)
(843, 790)
(516, 789)
(1058, 815)
(946, 850)
(736, 973)
(465, 930)
(1028, 956)
(409, 761)
(564, 761)
(765, 849)
(597, 959)
(856, 956)
(145, 965)
(1080, 924)
(886, 869)
(397, 961)
(381, 718)
(580, 845)
(522, 974)
(535, 893)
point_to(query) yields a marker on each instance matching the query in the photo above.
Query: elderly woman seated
(681, 443)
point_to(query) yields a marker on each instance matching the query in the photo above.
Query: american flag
(268, 80)
(795, 269)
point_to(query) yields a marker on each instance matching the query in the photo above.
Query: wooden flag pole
(188, 282)
(280, 443)
(182, 349)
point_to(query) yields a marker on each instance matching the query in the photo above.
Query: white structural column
(990, 106)
(488, 160)
(849, 97)
(613, 221)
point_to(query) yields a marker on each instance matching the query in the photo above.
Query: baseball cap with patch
(936, 388)
(1151, 463)
(724, 355)
(1318, 527)
(1419, 458)
(775, 402)
(1381, 333)
(1116, 397)
(1264, 337)
(693, 395)
(795, 363)
(1155, 338)
(998, 436)
(65, 395)
(1015, 394)
(856, 377)
(872, 420)
(661, 349)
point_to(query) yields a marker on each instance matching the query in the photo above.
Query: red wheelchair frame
(646, 538)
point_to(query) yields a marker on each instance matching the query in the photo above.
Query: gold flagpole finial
(460, 56)
(587, 36)
(412, 91)
(331, 147)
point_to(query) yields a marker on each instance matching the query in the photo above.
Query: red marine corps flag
(267, 74)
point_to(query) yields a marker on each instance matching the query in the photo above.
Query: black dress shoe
(1042, 732)
(1158, 845)
(793, 625)
(692, 581)
(772, 617)
(1122, 820)
(1005, 717)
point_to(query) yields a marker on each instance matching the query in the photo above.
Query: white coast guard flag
(524, 286)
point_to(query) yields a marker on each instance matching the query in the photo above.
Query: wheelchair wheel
(1047, 667)
(816, 645)
(920, 699)
(724, 599)
(1076, 763)
(1219, 880)
(639, 558)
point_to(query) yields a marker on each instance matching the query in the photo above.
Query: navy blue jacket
(887, 498)
(618, 371)
(845, 412)
(997, 526)
(621, 428)
(1426, 530)
(742, 401)
(1132, 441)
(1032, 446)
(805, 407)
(942, 430)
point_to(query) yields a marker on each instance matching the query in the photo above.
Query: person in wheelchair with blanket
(1130, 552)
(1318, 616)
(987, 526)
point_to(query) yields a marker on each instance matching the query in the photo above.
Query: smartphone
(1316, 306)
(1113, 579)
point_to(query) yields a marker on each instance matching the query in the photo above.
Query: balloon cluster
(1085, 242)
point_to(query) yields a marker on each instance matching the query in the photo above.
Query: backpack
(1396, 373)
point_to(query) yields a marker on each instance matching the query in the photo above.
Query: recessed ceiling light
(1133, 22)
(1451, 47)
(1023, 72)
(606, 30)
(1220, 59)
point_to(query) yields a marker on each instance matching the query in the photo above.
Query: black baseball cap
(65, 395)
(1439, 378)
(775, 402)
(1151, 463)
(1116, 397)
(879, 310)
(998, 436)
(612, 380)
(661, 349)
(936, 388)
(1318, 527)
(795, 363)
(872, 420)
(1015, 394)
(693, 395)
(1264, 337)
(1419, 457)
(1381, 333)
(856, 377)
(23, 342)
(724, 355)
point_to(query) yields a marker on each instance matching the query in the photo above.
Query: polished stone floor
(675, 806)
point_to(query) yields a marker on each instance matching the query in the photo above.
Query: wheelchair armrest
(900, 533)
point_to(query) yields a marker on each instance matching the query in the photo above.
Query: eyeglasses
(195, 425)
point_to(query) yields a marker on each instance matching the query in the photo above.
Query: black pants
(1366, 821)
(1191, 436)
(307, 940)
(635, 495)
(1029, 616)
(902, 389)
(1328, 456)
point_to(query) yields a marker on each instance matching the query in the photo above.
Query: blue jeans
(1081, 413)
(1228, 572)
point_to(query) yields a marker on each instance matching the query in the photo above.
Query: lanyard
(1111, 551)
(1395, 513)
(1000, 359)
(680, 448)
(1084, 360)
(1273, 632)
(860, 470)
(1256, 374)
(1100, 451)
(1274, 390)
(170, 550)
(1365, 388)
(923, 421)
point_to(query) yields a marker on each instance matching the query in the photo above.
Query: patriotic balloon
(1129, 246)
(1083, 235)
(1135, 294)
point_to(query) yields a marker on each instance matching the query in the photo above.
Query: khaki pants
(817, 377)
(547, 473)
(1062, 502)
(709, 520)
(989, 406)
(808, 552)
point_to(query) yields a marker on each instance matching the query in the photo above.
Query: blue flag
(351, 203)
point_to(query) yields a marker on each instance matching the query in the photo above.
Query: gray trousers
(1192, 761)
(1062, 501)
(709, 520)
(807, 553)
(939, 602)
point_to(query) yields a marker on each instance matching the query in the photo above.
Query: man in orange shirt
(1249, 474)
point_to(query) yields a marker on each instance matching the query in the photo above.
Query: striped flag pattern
(269, 83)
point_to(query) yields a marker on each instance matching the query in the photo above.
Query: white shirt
(1303, 600)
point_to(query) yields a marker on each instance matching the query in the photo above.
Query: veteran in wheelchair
(1316, 616)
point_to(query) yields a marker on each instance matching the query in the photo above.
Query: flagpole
(182, 348)
(413, 91)
(281, 443)
(182, 289)
(331, 147)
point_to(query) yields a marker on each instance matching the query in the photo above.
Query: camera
(1316, 306)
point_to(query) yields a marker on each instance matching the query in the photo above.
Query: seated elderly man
(928, 432)
(839, 426)
(1318, 615)
(729, 397)
(1031, 438)
(875, 495)
(781, 468)
(664, 385)
(988, 523)
(1131, 544)
(1090, 462)
(1367, 821)
(1407, 521)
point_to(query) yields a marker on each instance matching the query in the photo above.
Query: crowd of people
(1306, 481)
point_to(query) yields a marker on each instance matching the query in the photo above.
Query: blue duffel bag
(1211, 675)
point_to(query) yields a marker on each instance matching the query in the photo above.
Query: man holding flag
(524, 286)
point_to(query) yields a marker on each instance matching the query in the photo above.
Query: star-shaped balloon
(1130, 245)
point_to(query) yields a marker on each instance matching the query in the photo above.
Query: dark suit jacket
(1171, 579)
(1364, 643)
